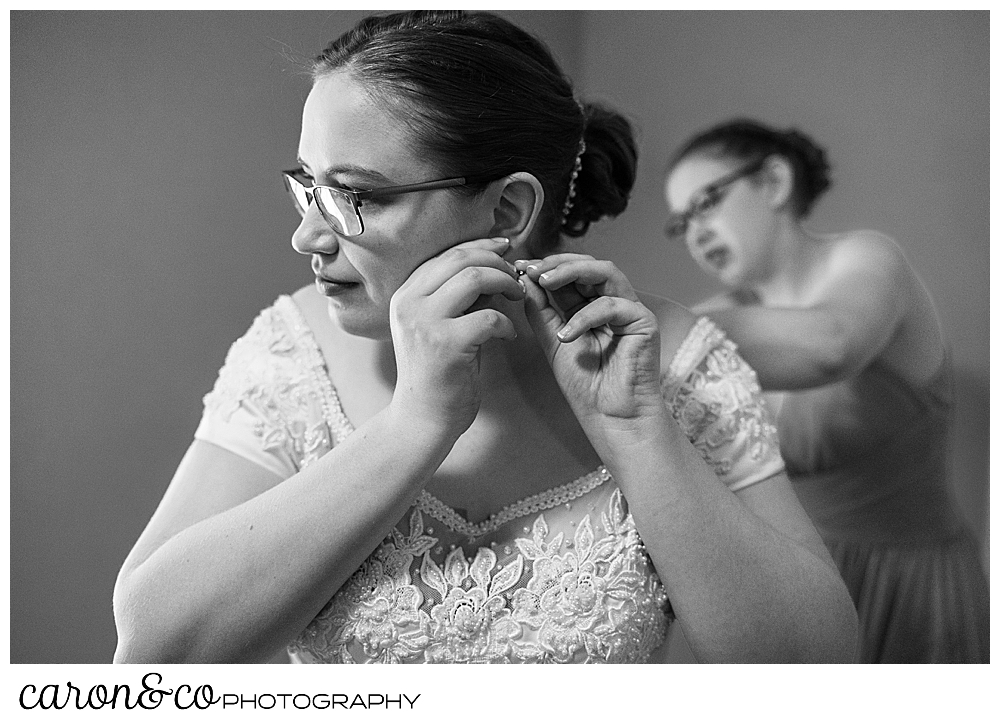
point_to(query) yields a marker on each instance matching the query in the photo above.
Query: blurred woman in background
(843, 326)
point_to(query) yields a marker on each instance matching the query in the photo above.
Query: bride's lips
(333, 287)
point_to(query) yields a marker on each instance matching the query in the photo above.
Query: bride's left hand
(602, 343)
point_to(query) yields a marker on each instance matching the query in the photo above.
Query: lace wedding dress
(559, 577)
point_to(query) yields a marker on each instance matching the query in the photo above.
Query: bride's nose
(314, 235)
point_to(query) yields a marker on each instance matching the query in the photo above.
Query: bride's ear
(517, 206)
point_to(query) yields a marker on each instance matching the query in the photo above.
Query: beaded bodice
(558, 577)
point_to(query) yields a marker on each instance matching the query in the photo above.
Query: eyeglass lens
(337, 209)
(704, 202)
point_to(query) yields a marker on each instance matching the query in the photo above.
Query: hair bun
(746, 140)
(814, 167)
(607, 169)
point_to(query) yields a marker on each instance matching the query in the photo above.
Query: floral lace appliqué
(594, 602)
(270, 379)
(594, 598)
(473, 622)
(583, 592)
(719, 406)
(378, 611)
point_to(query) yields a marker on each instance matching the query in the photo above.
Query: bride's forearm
(239, 585)
(742, 589)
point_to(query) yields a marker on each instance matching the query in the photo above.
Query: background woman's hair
(483, 97)
(748, 140)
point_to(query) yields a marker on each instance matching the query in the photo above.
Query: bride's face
(347, 140)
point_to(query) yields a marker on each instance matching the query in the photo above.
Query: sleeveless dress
(868, 460)
(559, 577)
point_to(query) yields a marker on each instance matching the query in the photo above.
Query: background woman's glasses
(706, 200)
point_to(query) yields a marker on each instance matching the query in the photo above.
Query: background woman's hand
(602, 343)
(439, 322)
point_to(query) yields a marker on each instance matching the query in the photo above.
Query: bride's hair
(484, 98)
(745, 140)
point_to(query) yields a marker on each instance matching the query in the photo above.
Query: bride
(468, 442)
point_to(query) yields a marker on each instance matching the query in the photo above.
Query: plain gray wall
(149, 225)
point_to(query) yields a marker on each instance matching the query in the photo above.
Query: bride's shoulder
(675, 322)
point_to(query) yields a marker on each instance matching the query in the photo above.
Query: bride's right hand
(438, 329)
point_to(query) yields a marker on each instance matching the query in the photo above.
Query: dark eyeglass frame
(355, 224)
(707, 199)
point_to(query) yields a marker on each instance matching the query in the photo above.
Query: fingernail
(520, 264)
(562, 333)
(520, 282)
(501, 239)
(546, 275)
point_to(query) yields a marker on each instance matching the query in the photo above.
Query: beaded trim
(551, 498)
(333, 412)
(577, 165)
(701, 336)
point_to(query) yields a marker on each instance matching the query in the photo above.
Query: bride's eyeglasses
(706, 200)
(341, 208)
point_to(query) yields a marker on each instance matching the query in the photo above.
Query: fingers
(623, 316)
(498, 244)
(568, 295)
(482, 325)
(461, 291)
(448, 296)
(567, 299)
(544, 319)
(589, 277)
(437, 270)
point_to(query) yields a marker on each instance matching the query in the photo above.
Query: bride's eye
(377, 200)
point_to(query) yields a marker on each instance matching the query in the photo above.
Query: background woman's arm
(852, 315)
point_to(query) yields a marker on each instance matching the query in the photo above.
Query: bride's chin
(358, 322)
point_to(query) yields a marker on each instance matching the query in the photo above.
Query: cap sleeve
(715, 397)
(268, 403)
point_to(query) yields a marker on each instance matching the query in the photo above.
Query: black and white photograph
(495, 336)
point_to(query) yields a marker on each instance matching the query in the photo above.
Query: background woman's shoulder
(866, 257)
(865, 246)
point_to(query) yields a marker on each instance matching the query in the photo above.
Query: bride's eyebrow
(355, 175)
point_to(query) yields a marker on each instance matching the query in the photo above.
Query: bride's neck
(516, 367)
